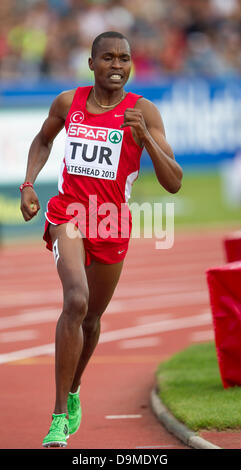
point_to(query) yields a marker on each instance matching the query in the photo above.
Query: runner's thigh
(102, 281)
(70, 259)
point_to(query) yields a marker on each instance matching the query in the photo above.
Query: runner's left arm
(39, 153)
(148, 126)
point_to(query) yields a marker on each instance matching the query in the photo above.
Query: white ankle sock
(77, 391)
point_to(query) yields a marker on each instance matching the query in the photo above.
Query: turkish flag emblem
(77, 117)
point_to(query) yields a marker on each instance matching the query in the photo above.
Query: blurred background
(186, 59)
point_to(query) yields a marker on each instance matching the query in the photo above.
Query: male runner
(107, 129)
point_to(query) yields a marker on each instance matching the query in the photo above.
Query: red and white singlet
(101, 163)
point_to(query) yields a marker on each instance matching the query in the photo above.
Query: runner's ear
(90, 63)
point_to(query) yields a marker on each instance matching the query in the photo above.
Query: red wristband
(25, 184)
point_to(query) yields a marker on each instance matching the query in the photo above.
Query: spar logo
(88, 132)
(115, 137)
(77, 117)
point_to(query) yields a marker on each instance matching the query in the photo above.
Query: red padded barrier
(224, 285)
(232, 245)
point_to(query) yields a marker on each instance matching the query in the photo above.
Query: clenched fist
(133, 117)
(29, 203)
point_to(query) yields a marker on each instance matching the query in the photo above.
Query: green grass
(200, 202)
(190, 386)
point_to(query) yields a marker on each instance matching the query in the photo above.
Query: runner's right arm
(40, 150)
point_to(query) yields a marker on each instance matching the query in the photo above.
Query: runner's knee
(91, 322)
(76, 303)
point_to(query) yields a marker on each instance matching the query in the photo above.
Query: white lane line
(168, 268)
(175, 284)
(156, 327)
(156, 317)
(139, 343)
(122, 416)
(28, 269)
(28, 298)
(207, 335)
(22, 335)
(48, 315)
(177, 259)
(133, 270)
(106, 337)
(156, 287)
(44, 297)
(116, 306)
(187, 279)
(158, 301)
(27, 353)
(29, 318)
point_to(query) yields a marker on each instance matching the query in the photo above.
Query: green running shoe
(58, 432)
(74, 411)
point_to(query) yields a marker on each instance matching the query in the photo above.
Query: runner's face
(112, 63)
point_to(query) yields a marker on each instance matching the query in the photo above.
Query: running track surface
(160, 306)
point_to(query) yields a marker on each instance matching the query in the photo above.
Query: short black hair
(106, 34)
